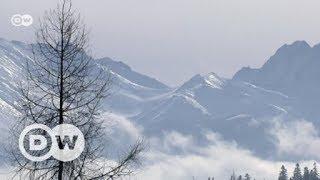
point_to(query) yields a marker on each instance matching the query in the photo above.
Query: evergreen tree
(283, 175)
(306, 174)
(297, 173)
(311, 174)
(314, 175)
(247, 177)
(239, 178)
(233, 176)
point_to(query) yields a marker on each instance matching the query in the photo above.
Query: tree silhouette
(297, 173)
(233, 176)
(306, 174)
(314, 175)
(64, 86)
(247, 177)
(283, 175)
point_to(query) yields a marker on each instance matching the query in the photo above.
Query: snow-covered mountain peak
(210, 80)
(301, 43)
(113, 64)
(3, 40)
(316, 46)
(297, 45)
(5, 43)
(126, 72)
(214, 81)
(291, 70)
(205, 102)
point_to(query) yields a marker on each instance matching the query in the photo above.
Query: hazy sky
(173, 40)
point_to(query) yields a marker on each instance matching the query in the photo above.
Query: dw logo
(21, 20)
(64, 142)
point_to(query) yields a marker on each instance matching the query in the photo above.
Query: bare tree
(64, 86)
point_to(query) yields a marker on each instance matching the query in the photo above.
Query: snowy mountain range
(241, 109)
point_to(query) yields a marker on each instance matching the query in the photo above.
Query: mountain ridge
(240, 109)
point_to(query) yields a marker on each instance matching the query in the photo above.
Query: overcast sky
(173, 40)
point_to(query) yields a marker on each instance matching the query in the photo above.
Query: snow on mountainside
(12, 57)
(197, 81)
(125, 71)
(128, 86)
(239, 109)
(242, 109)
(293, 70)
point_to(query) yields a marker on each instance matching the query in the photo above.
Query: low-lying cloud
(299, 138)
(219, 158)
